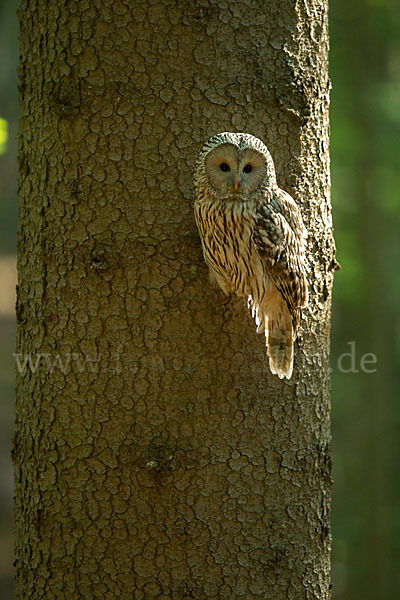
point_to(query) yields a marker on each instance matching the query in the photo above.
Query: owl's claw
(228, 299)
(250, 306)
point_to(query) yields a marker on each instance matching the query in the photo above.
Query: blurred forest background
(365, 123)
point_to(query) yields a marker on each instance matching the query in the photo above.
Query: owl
(253, 238)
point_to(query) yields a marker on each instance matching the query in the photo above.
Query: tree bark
(157, 456)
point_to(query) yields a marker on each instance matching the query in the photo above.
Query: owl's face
(235, 172)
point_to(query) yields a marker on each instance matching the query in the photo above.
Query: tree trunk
(156, 456)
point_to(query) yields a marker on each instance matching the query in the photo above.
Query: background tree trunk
(157, 456)
(366, 556)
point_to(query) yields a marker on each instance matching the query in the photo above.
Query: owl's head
(236, 165)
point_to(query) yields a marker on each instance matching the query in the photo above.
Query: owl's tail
(273, 317)
(279, 341)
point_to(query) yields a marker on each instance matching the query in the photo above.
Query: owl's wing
(280, 238)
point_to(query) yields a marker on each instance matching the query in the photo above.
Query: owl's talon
(228, 299)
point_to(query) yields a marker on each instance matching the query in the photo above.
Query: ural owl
(253, 238)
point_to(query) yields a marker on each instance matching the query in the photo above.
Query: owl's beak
(236, 185)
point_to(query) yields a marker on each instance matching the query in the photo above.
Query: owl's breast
(229, 249)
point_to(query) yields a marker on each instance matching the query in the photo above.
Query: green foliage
(3, 136)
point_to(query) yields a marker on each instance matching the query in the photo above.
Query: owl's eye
(247, 168)
(224, 167)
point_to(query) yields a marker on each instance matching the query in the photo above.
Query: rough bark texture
(159, 457)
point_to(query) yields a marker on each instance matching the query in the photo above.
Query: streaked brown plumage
(253, 238)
